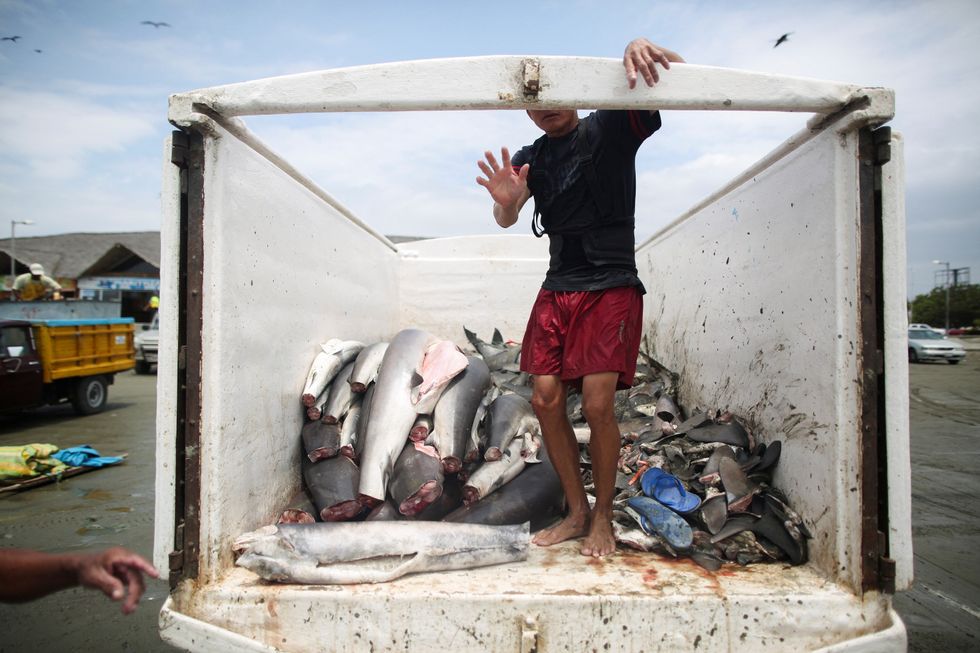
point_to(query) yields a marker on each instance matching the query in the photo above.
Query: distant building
(120, 267)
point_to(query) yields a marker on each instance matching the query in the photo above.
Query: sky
(83, 102)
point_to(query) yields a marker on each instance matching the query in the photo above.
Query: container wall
(480, 282)
(68, 309)
(898, 456)
(166, 425)
(283, 271)
(752, 301)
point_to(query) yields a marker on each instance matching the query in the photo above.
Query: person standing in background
(35, 285)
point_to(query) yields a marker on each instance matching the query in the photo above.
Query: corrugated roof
(70, 255)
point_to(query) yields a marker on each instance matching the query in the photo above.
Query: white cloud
(55, 136)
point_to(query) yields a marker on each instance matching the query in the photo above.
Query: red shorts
(573, 334)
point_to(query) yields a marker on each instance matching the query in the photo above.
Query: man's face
(554, 122)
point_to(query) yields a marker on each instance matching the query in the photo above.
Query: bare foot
(600, 541)
(568, 528)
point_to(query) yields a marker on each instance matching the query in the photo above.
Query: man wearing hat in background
(36, 285)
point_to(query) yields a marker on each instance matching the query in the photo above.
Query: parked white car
(146, 343)
(926, 326)
(927, 345)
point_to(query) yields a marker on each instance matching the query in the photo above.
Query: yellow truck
(51, 361)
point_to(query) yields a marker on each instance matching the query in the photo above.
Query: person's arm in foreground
(641, 57)
(507, 188)
(27, 575)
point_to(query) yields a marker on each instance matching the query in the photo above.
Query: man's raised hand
(505, 186)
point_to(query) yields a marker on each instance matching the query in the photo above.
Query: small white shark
(375, 552)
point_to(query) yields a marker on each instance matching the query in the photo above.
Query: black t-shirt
(614, 138)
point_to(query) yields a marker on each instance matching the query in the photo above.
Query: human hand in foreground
(641, 57)
(118, 573)
(27, 575)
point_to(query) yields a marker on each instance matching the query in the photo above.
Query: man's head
(554, 122)
(37, 270)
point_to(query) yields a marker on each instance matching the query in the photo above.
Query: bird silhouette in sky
(155, 24)
(10, 38)
(782, 39)
(38, 51)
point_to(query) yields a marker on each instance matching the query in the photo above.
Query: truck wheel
(142, 367)
(90, 395)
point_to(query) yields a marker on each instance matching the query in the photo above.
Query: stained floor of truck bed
(557, 600)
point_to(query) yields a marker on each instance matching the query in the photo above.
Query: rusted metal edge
(874, 473)
(188, 154)
(531, 78)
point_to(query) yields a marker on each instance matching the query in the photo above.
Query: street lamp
(946, 263)
(13, 253)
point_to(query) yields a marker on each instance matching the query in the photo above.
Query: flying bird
(38, 51)
(782, 39)
(155, 24)
(10, 38)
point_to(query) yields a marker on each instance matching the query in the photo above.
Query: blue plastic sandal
(658, 520)
(668, 490)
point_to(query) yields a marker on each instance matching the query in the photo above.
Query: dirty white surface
(480, 283)
(499, 82)
(166, 417)
(897, 365)
(557, 599)
(753, 301)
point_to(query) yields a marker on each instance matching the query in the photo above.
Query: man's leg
(598, 396)
(549, 406)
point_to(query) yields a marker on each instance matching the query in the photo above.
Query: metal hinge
(178, 152)
(886, 574)
(532, 78)
(175, 561)
(882, 138)
(529, 635)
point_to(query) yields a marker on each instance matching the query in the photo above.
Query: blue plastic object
(668, 490)
(85, 456)
(659, 520)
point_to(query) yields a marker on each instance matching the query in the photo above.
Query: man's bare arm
(507, 216)
(27, 575)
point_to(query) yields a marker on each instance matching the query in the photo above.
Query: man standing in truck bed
(586, 323)
(36, 285)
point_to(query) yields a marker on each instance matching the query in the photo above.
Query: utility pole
(13, 253)
(946, 263)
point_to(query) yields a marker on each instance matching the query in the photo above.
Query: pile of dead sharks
(418, 457)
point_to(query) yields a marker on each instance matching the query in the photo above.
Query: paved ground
(114, 506)
(107, 507)
(942, 610)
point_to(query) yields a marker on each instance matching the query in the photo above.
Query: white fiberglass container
(780, 298)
